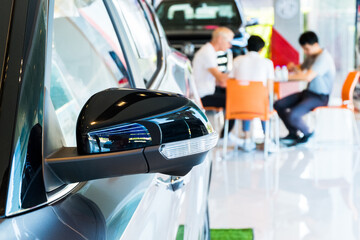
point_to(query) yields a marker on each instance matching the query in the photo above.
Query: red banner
(282, 52)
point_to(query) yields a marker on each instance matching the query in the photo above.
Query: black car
(189, 23)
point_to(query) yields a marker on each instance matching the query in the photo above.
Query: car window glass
(142, 35)
(203, 11)
(199, 14)
(86, 58)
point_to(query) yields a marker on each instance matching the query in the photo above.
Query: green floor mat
(223, 234)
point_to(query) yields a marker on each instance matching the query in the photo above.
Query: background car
(81, 158)
(188, 24)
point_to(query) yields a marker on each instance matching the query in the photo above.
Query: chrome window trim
(57, 195)
(157, 79)
(49, 37)
(121, 41)
(51, 198)
(161, 41)
(129, 48)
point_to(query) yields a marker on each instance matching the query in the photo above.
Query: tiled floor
(309, 192)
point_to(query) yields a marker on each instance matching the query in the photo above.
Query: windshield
(206, 15)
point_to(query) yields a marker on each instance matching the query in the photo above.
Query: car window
(86, 58)
(181, 14)
(143, 37)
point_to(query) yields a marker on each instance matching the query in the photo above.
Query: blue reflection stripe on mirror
(120, 129)
(119, 137)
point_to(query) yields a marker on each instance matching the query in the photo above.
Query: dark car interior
(198, 15)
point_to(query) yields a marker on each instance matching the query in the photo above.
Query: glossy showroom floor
(307, 192)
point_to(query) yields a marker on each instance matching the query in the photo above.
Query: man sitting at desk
(318, 70)
(210, 81)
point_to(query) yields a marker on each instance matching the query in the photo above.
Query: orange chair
(246, 101)
(347, 92)
(347, 103)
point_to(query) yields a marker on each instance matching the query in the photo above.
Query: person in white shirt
(253, 67)
(210, 81)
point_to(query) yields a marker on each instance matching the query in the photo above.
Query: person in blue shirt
(318, 69)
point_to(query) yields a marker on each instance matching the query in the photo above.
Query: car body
(65, 170)
(188, 24)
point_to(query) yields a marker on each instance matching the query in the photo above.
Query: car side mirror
(130, 131)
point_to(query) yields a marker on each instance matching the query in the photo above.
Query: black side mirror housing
(129, 131)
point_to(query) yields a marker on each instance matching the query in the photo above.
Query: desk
(283, 89)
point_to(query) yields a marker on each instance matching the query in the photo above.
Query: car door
(194, 210)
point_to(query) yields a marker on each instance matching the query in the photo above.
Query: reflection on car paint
(75, 217)
(33, 188)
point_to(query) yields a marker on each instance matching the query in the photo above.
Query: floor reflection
(299, 193)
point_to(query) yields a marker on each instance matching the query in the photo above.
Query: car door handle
(177, 183)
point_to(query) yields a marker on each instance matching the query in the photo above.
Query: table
(283, 89)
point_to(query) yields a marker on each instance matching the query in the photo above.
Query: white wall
(334, 22)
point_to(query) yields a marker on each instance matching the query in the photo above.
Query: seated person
(253, 67)
(210, 81)
(318, 70)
